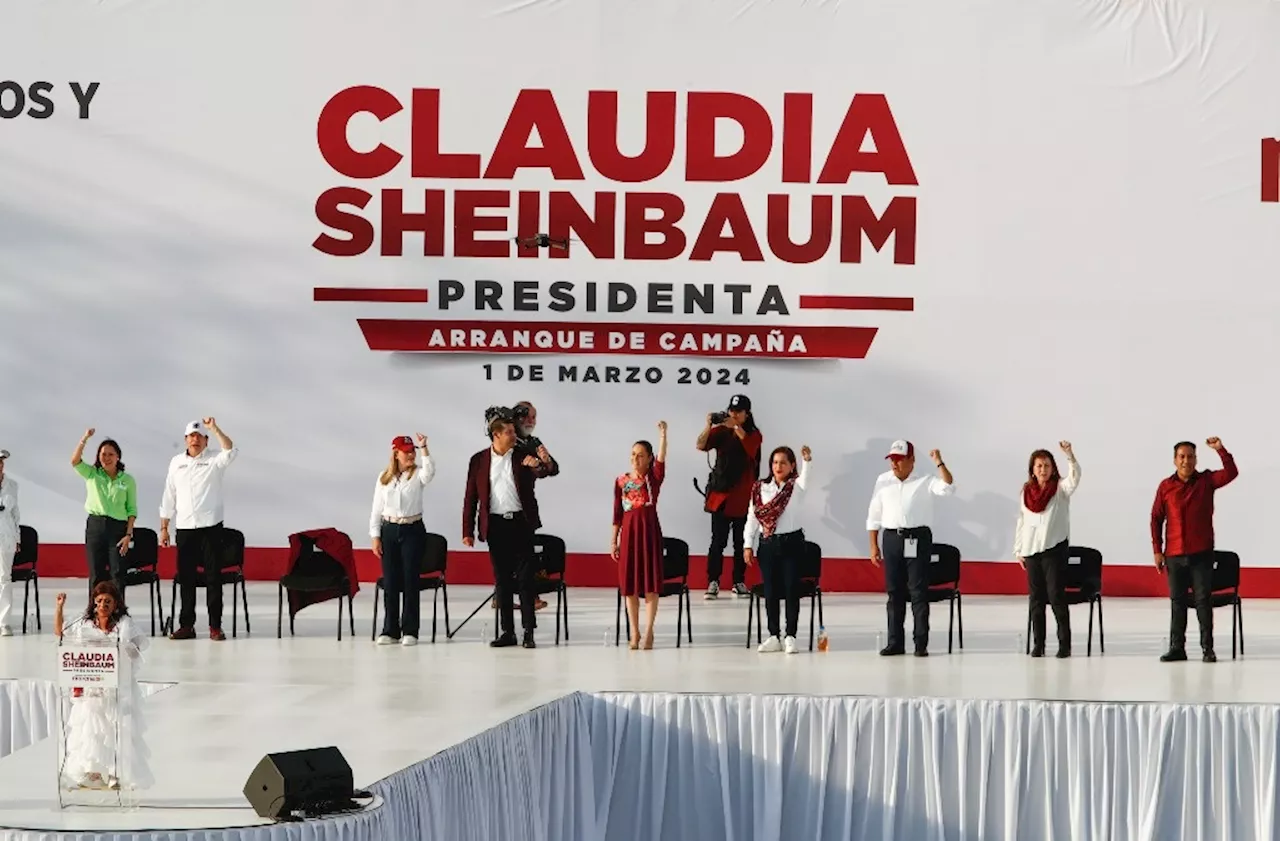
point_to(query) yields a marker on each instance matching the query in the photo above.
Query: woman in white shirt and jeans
(773, 529)
(400, 537)
(1042, 539)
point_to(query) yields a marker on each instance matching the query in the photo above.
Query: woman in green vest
(112, 504)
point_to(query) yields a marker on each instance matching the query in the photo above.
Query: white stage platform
(390, 708)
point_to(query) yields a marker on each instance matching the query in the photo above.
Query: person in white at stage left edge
(10, 538)
(773, 512)
(400, 537)
(193, 500)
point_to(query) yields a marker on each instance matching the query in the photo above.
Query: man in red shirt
(736, 441)
(1182, 537)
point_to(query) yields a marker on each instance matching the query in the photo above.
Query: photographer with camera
(736, 440)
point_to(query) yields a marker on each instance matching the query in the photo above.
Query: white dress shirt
(401, 497)
(789, 520)
(503, 496)
(1037, 532)
(193, 489)
(897, 504)
(10, 517)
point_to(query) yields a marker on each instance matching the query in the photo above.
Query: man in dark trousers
(902, 506)
(1182, 537)
(737, 441)
(500, 508)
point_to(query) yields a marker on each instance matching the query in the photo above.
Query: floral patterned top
(630, 493)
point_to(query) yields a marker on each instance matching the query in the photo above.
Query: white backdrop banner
(985, 227)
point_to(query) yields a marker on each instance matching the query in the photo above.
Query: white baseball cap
(901, 449)
(4, 454)
(196, 426)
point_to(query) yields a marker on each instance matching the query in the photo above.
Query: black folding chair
(810, 588)
(944, 586)
(675, 582)
(141, 567)
(1082, 582)
(24, 570)
(1225, 593)
(435, 560)
(316, 571)
(549, 557)
(232, 572)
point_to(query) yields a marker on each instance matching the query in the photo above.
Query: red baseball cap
(403, 443)
(901, 449)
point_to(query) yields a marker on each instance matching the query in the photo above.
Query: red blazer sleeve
(1229, 471)
(617, 502)
(470, 501)
(1157, 521)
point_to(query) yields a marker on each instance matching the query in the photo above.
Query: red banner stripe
(856, 302)
(696, 340)
(381, 296)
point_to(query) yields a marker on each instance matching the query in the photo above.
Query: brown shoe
(216, 635)
(183, 634)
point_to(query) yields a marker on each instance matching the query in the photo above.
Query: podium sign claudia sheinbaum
(93, 685)
(86, 666)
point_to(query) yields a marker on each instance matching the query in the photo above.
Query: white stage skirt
(666, 766)
(772, 768)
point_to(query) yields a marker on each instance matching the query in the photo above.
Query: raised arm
(1071, 481)
(704, 437)
(806, 459)
(77, 457)
(428, 470)
(1229, 471)
(662, 442)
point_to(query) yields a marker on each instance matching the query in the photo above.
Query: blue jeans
(403, 547)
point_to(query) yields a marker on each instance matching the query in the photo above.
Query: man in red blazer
(500, 508)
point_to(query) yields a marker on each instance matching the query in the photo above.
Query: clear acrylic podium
(95, 697)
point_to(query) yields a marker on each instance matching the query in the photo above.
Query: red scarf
(769, 513)
(1036, 496)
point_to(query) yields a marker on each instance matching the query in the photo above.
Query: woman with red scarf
(1041, 541)
(773, 529)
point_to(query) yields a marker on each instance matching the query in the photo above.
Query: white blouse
(789, 521)
(1037, 532)
(401, 497)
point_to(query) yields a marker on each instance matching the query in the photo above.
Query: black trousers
(721, 526)
(200, 549)
(905, 577)
(779, 558)
(1045, 572)
(102, 551)
(1193, 572)
(402, 550)
(514, 570)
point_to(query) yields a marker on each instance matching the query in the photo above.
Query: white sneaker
(408, 640)
(385, 640)
(6, 631)
(789, 645)
(713, 590)
(769, 646)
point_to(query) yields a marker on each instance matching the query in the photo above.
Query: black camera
(719, 417)
(494, 412)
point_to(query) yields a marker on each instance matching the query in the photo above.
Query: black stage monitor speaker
(299, 780)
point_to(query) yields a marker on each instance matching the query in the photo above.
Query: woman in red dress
(637, 535)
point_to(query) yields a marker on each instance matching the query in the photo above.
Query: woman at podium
(105, 729)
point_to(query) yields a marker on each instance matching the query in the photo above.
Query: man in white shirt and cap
(902, 505)
(10, 539)
(193, 502)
